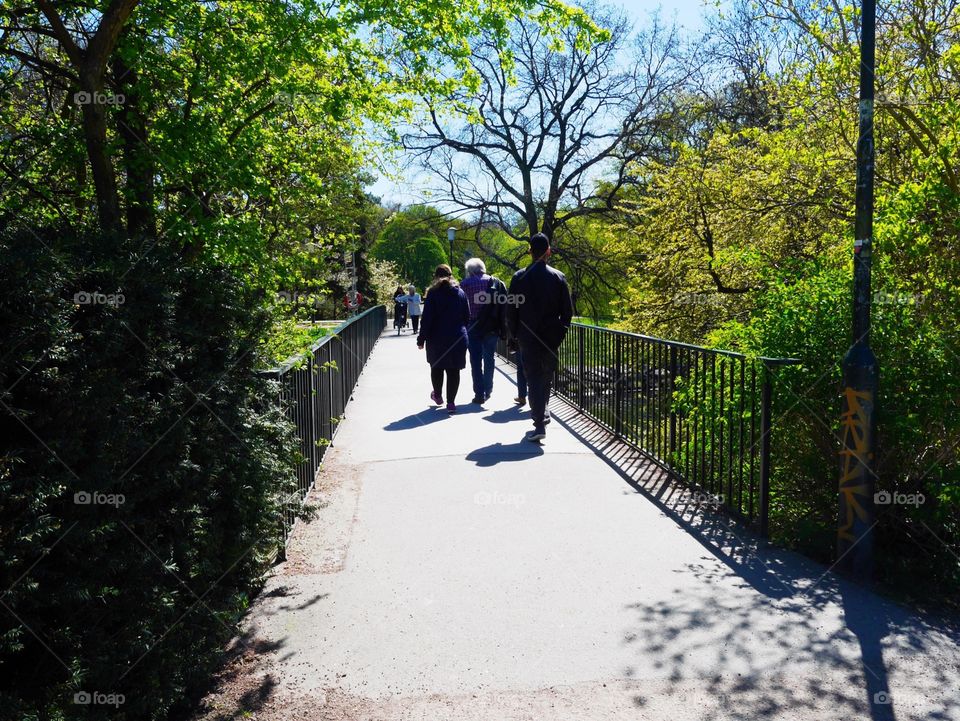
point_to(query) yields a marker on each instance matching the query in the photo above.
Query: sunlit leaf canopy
(253, 114)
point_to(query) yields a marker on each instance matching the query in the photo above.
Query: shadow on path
(797, 591)
(504, 453)
(428, 416)
(509, 415)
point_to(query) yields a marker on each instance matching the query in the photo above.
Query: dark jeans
(482, 350)
(539, 365)
(521, 377)
(453, 382)
(415, 319)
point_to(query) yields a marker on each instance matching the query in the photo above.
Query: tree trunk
(94, 115)
(137, 159)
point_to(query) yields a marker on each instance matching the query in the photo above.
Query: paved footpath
(454, 571)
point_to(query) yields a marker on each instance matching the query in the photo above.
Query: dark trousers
(539, 365)
(521, 376)
(453, 382)
(415, 319)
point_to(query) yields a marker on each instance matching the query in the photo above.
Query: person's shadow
(504, 453)
(426, 417)
(514, 413)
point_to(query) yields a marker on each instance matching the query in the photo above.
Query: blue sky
(688, 15)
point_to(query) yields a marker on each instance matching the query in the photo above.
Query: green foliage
(411, 242)
(290, 338)
(151, 397)
(742, 239)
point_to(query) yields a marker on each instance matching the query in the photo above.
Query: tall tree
(526, 143)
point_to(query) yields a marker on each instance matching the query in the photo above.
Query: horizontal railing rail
(702, 414)
(313, 392)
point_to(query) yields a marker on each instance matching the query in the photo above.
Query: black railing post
(581, 367)
(672, 385)
(618, 386)
(311, 410)
(705, 435)
(310, 402)
(765, 428)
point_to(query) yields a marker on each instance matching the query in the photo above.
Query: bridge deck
(455, 572)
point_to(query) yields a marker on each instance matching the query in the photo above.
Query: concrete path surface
(454, 571)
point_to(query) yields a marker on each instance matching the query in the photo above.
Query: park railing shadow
(802, 617)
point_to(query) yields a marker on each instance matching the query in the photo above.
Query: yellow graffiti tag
(856, 439)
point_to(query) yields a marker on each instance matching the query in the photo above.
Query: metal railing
(314, 391)
(702, 414)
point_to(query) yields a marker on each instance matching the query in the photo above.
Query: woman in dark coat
(443, 329)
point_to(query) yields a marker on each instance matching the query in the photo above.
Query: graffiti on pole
(854, 484)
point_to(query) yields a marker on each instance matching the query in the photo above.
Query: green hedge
(130, 374)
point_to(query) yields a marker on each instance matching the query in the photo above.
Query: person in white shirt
(414, 306)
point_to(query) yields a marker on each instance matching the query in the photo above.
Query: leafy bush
(140, 472)
(918, 423)
(288, 338)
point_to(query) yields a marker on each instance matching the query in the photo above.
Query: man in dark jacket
(539, 318)
(486, 295)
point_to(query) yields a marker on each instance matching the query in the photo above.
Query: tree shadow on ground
(247, 692)
(833, 649)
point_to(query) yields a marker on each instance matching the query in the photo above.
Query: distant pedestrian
(399, 310)
(539, 320)
(414, 305)
(443, 330)
(486, 295)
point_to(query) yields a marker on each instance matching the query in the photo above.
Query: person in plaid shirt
(485, 294)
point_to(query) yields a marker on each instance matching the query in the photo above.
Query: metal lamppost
(860, 369)
(451, 234)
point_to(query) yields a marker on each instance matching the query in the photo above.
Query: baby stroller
(399, 315)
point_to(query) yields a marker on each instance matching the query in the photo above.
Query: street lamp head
(451, 233)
